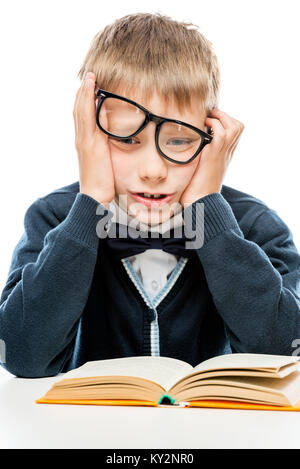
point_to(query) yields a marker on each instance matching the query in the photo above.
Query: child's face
(140, 168)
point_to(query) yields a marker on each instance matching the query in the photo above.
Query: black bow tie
(122, 244)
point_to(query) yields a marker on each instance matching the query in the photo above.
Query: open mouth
(151, 196)
(151, 199)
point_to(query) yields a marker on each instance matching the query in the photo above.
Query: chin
(152, 217)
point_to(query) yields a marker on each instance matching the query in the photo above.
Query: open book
(239, 380)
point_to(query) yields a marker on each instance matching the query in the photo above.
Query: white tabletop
(25, 424)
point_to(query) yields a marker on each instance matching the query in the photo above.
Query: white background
(43, 45)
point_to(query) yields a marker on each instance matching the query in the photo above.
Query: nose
(152, 167)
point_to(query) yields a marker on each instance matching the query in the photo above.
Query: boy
(75, 295)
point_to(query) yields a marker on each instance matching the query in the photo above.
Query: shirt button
(154, 284)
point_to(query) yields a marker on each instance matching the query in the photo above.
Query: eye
(126, 141)
(180, 142)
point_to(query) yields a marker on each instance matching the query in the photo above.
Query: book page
(162, 370)
(246, 360)
(246, 387)
(204, 375)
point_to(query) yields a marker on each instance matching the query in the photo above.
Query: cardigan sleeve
(254, 282)
(47, 287)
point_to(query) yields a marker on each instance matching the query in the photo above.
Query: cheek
(122, 168)
(186, 173)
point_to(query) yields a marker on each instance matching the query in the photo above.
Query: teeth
(149, 196)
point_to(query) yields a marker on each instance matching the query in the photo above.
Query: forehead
(156, 104)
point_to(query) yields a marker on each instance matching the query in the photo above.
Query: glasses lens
(178, 141)
(120, 118)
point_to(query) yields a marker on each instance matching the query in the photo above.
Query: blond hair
(146, 52)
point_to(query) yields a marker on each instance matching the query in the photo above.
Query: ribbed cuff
(82, 219)
(207, 217)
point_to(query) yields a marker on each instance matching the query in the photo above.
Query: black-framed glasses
(122, 119)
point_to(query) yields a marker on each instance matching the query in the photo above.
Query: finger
(237, 137)
(218, 130)
(75, 109)
(86, 113)
(231, 147)
(79, 91)
(224, 118)
(76, 99)
(234, 146)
